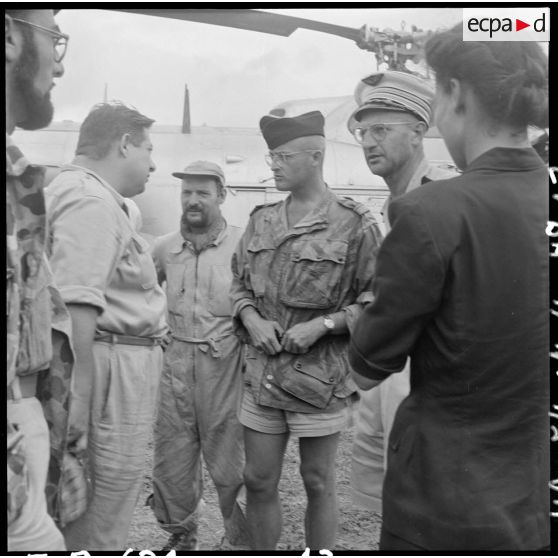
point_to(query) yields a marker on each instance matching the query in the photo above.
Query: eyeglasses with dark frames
(60, 40)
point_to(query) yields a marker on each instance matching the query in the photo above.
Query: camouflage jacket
(38, 323)
(323, 264)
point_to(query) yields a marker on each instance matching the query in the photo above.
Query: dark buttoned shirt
(462, 287)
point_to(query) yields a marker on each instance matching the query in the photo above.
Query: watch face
(329, 323)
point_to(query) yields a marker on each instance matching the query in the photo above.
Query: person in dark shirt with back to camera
(462, 287)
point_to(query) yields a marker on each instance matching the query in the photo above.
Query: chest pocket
(260, 257)
(219, 286)
(138, 269)
(312, 279)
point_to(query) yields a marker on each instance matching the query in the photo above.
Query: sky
(233, 76)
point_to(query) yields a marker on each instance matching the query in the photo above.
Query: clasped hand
(270, 337)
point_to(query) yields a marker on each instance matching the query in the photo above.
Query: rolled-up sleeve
(85, 248)
(410, 275)
(365, 271)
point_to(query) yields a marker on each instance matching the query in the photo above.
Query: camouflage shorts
(18, 482)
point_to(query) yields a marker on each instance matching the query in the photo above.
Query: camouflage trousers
(34, 529)
(122, 408)
(373, 421)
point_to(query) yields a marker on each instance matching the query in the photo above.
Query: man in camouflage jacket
(39, 355)
(301, 274)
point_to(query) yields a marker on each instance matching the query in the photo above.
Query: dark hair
(107, 123)
(509, 79)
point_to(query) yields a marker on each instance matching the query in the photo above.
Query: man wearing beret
(302, 274)
(202, 374)
(390, 121)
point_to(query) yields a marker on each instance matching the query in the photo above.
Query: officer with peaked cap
(390, 121)
(302, 274)
(202, 373)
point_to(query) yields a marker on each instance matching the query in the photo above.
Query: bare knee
(258, 481)
(318, 482)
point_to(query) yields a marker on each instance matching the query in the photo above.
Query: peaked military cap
(277, 131)
(392, 90)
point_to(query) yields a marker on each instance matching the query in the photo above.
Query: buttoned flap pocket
(260, 256)
(219, 286)
(309, 379)
(312, 279)
(139, 264)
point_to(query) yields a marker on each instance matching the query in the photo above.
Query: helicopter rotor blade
(252, 20)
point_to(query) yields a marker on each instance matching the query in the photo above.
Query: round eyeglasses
(282, 157)
(376, 132)
(60, 40)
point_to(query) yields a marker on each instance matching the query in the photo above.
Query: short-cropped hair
(106, 124)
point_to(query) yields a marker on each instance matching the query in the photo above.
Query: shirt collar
(219, 233)
(117, 196)
(508, 159)
(416, 180)
(318, 214)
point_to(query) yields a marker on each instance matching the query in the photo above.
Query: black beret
(277, 131)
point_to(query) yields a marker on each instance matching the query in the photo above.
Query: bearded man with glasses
(39, 358)
(390, 122)
(302, 273)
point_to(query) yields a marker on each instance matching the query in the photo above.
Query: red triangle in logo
(519, 25)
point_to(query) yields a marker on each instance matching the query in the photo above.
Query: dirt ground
(358, 529)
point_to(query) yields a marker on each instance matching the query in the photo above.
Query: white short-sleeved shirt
(98, 258)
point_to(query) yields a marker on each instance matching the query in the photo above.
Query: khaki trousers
(122, 410)
(373, 421)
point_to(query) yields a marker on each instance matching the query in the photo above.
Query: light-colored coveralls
(200, 386)
(99, 259)
(377, 407)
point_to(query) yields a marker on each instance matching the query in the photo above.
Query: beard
(36, 106)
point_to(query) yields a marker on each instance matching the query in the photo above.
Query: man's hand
(299, 338)
(166, 341)
(84, 321)
(78, 421)
(264, 334)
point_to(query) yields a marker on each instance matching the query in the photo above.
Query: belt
(203, 343)
(23, 386)
(114, 339)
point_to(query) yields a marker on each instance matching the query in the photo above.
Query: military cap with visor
(202, 168)
(395, 91)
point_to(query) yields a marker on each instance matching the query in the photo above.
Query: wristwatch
(329, 323)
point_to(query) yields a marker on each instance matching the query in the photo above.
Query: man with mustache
(201, 380)
(302, 274)
(38, 325)
(390, 122)
(107, 278)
